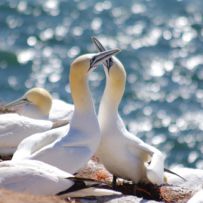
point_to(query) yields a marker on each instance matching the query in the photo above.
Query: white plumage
(14, 128)
(197, 197)
(36, 177)
(121, 152)
(77, 143)
(61, 110)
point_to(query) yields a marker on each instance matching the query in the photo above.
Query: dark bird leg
(114, 182)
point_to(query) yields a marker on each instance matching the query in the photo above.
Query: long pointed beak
(17, 102)
(98, 44)
(101, 57)
(108, 63)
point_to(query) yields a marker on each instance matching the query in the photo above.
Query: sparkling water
(162, 50)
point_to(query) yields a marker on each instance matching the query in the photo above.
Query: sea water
(162, 50)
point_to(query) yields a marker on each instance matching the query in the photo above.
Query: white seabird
(122, 153)
(80, 142)
(14, 128)
(39, 178)
(38, 103)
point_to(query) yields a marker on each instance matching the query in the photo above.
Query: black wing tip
(81, 183)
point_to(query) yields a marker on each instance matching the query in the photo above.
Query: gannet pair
(38, 103)
(121, 152)
(70, 152)
(79, 141)
(39, 178)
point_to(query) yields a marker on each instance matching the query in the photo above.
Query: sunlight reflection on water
(162, 52)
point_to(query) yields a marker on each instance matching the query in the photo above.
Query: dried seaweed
(167, 193)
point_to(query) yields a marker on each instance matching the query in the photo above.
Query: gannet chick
(39, 178)
(121, 152)
(38, 103)
(14, 128)
(80, 142)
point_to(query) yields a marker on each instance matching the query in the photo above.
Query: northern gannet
(77, 144)
(38, 103)
(121, 152)
(39, 178)
(14, 128)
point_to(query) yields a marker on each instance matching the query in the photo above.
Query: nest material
(167, 193)
(173, 194)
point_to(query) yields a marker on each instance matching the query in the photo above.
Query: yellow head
(79, 70)
(115, 75)
(40, 98)
(80, 66)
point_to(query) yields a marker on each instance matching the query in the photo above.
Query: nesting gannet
(121, 152)
(38, 103)
(39, 178)
(14, 128)
(80, 142)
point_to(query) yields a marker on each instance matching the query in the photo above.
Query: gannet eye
(26, 101)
